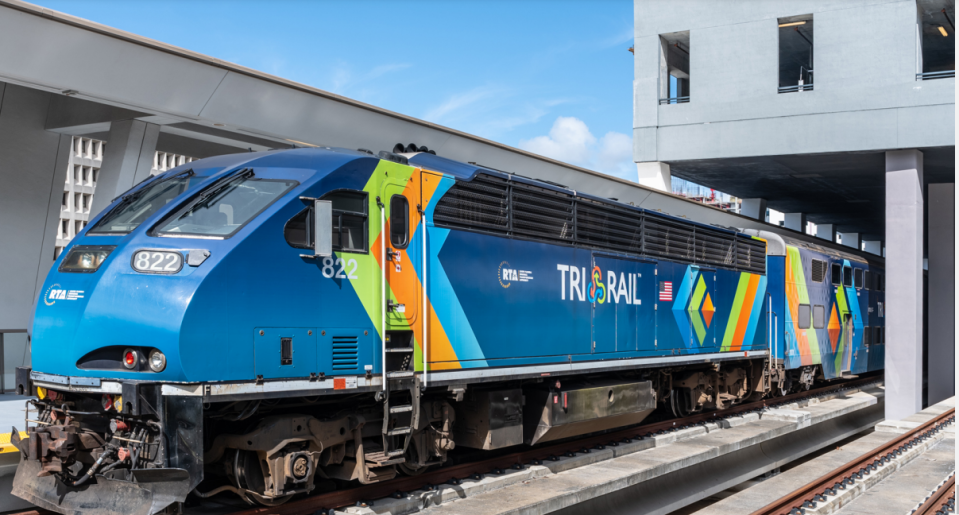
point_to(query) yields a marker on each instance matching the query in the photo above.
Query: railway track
(368, 494)
(833, 483)
(941, 501)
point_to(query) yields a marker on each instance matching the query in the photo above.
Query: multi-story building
(840, 113)
(83, 169)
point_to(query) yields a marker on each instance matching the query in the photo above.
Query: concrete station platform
(896, 491)
(660, 474)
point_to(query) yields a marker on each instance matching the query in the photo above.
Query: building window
(77, 174)
(936, 34)
(803, 316)
(796, 54)
(836, 274)
(674, 68)
(819, 316)
(64, 231)
(77, 202)
(96, 175)
(66, 200)
(77, 227)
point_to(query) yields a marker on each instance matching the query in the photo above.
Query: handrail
(425, 315)
(936, 75)
(674, 100)
(384, 298)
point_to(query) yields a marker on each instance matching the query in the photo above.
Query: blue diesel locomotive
(265, 322)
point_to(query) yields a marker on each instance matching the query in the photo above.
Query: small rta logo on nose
(55, 293)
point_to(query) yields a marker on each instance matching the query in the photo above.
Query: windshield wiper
(220, 185)
(126, 198)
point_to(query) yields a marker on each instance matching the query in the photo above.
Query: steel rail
(796, 502)
(943, 497)
(517, 461)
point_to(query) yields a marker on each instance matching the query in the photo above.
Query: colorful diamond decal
(835, 328)
(708, 310)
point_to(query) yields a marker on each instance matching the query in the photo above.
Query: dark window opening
(796, 54)
(880, 282)
(847, 276)
(819, 317)
(836, 274)
(936, 34)
(818, 270)
(298, 230)
(399, 221)
(858, 277)
(674, 68)
(349, 220)
(870, 282)
(867, 335)
(804, 316)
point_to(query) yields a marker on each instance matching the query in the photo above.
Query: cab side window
(349, 223)
(399, 221)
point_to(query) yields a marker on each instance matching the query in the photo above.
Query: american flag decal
(666, 291)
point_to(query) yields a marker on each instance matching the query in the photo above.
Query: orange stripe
(743, 323)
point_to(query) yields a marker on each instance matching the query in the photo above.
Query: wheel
(677, 404)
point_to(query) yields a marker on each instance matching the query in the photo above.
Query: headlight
(85, 258)
(157, 361)
(130, 358)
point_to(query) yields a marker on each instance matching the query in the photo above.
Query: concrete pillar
(874, 247)
(655, 175)
(904, 225)
(941, 318)
(852, 239)
(795, 221)
(826, 232)
(127, 160)
(754, 208)
(30, 199)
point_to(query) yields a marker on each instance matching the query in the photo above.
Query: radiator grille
(818, 270)
(519, 210)
(345, 352)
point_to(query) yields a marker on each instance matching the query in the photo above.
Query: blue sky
(551, 77)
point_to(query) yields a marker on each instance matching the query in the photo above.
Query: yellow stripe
(5, 445)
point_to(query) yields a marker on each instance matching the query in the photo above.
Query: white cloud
(458, 102)
(570, 141)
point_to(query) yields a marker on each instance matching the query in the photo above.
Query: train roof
(468, 171)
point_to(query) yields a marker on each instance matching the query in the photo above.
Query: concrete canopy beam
(874, 247)
(795, 221)
(655, 175)
(904, 270)
(127, 160)
(852, 239)
(826, 232)
(754, 208)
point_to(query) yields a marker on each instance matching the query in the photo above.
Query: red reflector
(129, 358)
(339, 384)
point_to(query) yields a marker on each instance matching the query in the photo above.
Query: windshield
(141, 204)
(225, 208)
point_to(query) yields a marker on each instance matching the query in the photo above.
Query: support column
(874, 247)
(754, 208)
(29, 200)
(826, 232)
(904, 225)
(796, 222)
(655, 175)
(942, 301)
(851, 239)
(127, 160)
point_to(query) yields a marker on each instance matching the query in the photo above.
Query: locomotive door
(847, 335)
(403, 295)
(619, 291)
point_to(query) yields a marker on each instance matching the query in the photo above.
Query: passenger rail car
(261, 323)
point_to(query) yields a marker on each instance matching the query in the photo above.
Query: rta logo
(55, 293)
(508, 276)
